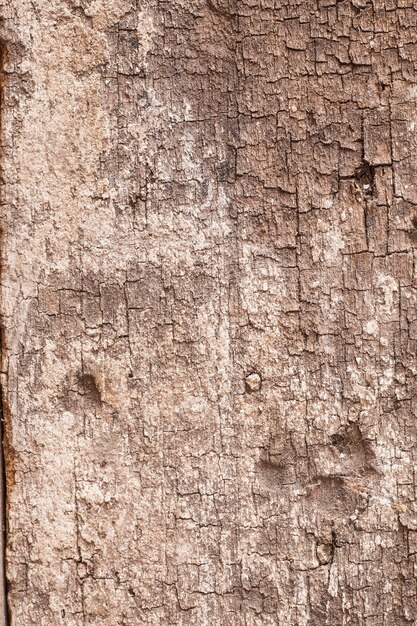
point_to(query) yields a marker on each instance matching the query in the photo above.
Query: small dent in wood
(89, 388)
(253, 382)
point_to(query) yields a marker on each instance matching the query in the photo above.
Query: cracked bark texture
(209, 216)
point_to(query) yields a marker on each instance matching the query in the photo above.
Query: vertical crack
(5, 619)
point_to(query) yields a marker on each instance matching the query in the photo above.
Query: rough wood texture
(209, 215)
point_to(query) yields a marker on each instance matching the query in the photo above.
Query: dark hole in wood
(365, 176)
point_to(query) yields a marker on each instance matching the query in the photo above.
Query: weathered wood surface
(209, 221)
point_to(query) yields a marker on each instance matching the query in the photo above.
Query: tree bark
(209, 224)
